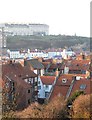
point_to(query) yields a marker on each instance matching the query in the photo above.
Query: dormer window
(64, 80)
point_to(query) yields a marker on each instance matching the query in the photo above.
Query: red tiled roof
(17, 73)
(17, 69)
(47, 80)
(76, 64)
(62, 88)
(19, 81)
(1, 82)
(68, 77)
(80, 82)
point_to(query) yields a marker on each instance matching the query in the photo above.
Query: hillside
(44, 42)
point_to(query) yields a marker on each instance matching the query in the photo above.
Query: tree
(53, 109)
(74, 96)
(81, 107)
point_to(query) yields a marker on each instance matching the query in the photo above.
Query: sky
(65, 17)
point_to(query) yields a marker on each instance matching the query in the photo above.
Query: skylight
(82, 86)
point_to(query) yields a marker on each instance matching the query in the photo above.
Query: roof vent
(26, 75)
(14, 75)
(64, 80)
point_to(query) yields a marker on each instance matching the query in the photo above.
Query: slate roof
(35, 64)
(45, 64)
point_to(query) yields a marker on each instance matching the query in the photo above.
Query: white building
(25, 29)
(44, 86)
(66, 53)
(16, 54)
(52, 54)
(29, 54)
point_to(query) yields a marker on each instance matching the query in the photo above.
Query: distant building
(25, 29)
(16, 54)
(67, 53)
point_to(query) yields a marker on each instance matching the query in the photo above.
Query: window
(7, 95)
(7, 85)
(28, 91)
(46, 86)
(38, 82)
(35, 83)
(46, 94)
(38, 95)
(39, 87)
(12, 83)
(28, 101)
(82, 86)
(83, 72)
(35, 88)
(13, 89)
(64, 80)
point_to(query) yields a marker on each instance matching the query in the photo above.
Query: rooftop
(47, 80)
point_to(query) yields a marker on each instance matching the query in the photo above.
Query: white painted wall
(16, 54)
(35, 71)
(42, 72)
(66, 53)
(41, 92)
(27, 29)
(66, 70)
(47, 89)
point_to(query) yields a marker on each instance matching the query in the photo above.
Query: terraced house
(20, 85)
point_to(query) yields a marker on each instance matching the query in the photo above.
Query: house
(67, 52)
(67, 84)
(81, 56)
(82, 84)
(34, 65)
(62, 85)
(1, 84)
(46, 66)
(75, 66)
(20, 83)
(45, 84)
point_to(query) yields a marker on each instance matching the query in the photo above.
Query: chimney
(40, 59)
(22, 62)
(9, 61)
(87, 74)
(57, 72)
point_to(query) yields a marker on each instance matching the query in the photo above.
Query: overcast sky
(63, 16)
